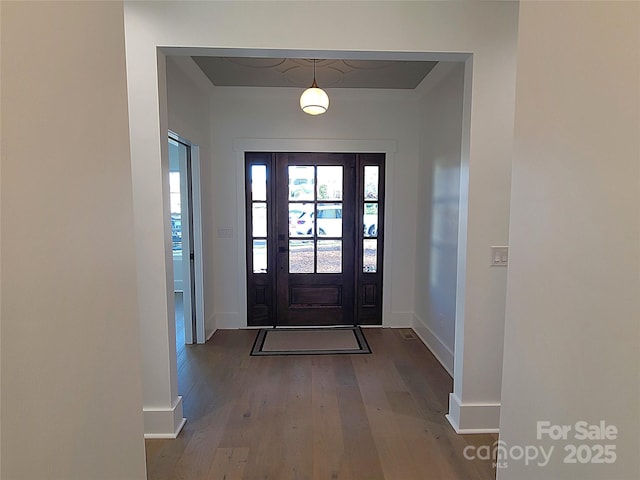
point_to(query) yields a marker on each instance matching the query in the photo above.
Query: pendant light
(314, 100)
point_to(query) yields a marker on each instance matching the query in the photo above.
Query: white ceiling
(296, 72)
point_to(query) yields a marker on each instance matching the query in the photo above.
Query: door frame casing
(388, 147)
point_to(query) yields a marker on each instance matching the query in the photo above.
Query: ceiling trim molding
(326, 54)
(332, 145)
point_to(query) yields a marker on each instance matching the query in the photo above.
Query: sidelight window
(370, 219)
(259, 222)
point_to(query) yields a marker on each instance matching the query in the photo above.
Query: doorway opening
(315, 238)
(185, 241)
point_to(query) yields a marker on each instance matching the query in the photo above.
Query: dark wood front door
(315, 228)
(314, 238)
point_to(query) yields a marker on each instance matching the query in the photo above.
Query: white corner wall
(0, 245)
(189, 115)
(440, 130)
(359, 118)
(572, 326)
(482, 32)
(71, 394)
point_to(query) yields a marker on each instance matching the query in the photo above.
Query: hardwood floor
(345, 417)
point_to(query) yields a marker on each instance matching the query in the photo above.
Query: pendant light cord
(314, 100)
(314, 85)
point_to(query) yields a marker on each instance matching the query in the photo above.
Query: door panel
(315, 280)
(314, 232)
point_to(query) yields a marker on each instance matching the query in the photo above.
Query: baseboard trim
(228, 320)
(164, 422)
(210, 326)
(210, 334)
(439, 349)
(169, 436)
(396, 319)
(470, 418)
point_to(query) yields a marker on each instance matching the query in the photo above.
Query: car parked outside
(301, 188)
(370, 225)
(294, 215)
(301, 221)
(329, 221)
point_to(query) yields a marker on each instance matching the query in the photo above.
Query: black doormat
(310, 341)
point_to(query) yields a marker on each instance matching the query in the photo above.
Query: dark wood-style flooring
(355, 417)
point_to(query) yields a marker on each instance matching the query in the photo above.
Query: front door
(314, 238)
(315, 227)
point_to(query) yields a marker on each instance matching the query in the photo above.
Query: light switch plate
(499, 256)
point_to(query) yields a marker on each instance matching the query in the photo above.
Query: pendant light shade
(314, 100)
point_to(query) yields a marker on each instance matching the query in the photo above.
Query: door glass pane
(259, 219)
(260, 256)
(371, 182)
(301, 182)
(370, 255)
(259, 182)
(330, 183)
(329, 217)
(329, 256)
(370, 219)
(301, 218)
(301, 253)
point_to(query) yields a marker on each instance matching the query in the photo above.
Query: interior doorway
(315, 238)
(185, 233)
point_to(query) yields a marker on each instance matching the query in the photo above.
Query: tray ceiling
(295, 72)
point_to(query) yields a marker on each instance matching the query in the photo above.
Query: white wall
(188, 110)
(71, 393)
(572, 330)
(360, 116)
(383, 30)
(0, 246)
(0, 250)
(440, 132)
